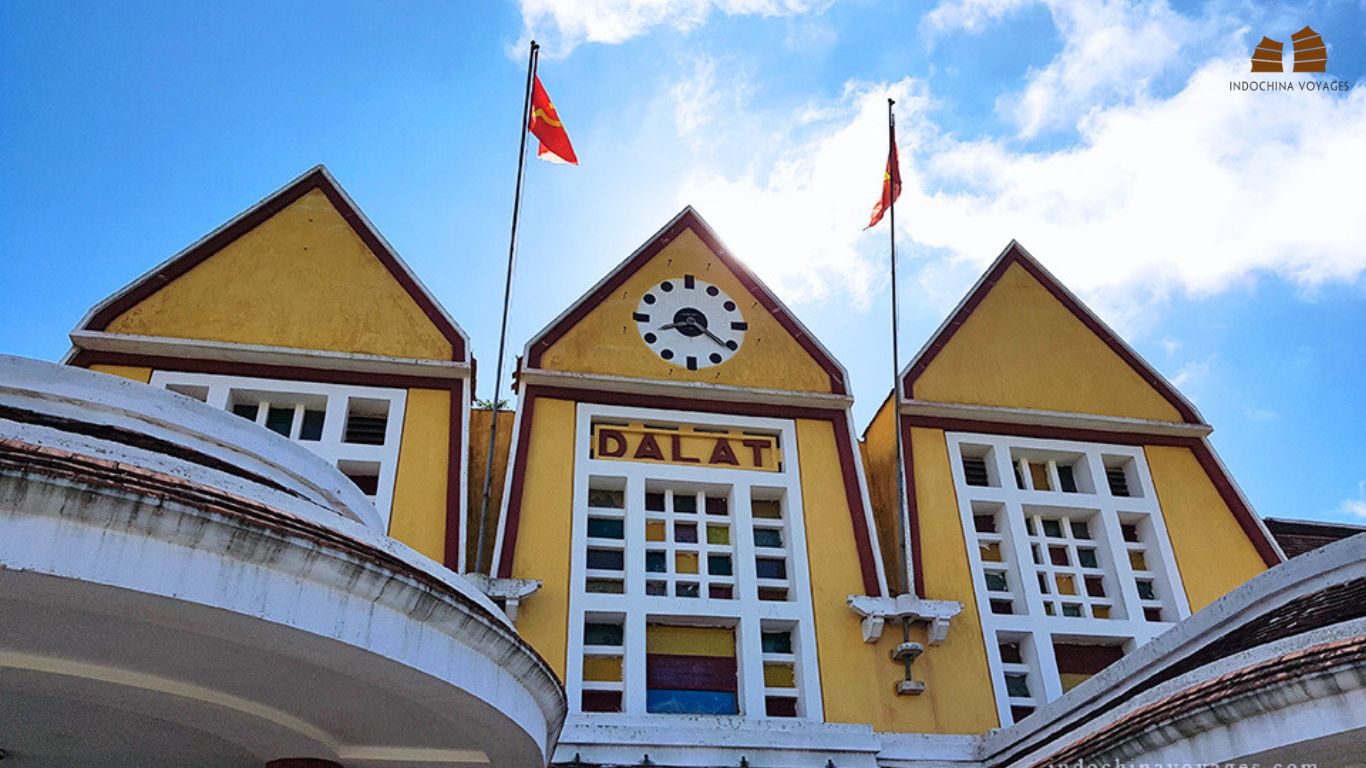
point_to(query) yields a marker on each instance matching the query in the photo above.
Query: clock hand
(703, 329)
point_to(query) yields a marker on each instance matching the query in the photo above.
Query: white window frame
(330, 446)
(1035, 630)
(748, 614)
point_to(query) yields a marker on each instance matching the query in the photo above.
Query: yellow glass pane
(1100, 611)
(1137, 560)
(779, 676)
(690, 641)
(1039, 474)
(1070, 681)
(685, 562)
(1066, 585)
(991, 553)
(654, 530)
(602, 669)
(771, 509)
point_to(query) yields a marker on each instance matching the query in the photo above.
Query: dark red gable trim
(688, 219)
(1015, 254)
(1242, 513)
(843, 441)
(315, 179)
(456, 460)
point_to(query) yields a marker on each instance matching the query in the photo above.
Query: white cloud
(1112, 50)
(561, 25)
(1189, 194)
(799, 221)
(1191, 373)
(1355, 507)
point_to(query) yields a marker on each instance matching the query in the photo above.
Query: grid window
(356, 429)
(696, 568)
(1071, 559)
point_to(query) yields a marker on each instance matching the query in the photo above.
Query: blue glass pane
(691, 703)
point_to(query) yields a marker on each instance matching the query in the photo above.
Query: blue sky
(1219, 231)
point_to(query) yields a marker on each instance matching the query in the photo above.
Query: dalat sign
(687, 446)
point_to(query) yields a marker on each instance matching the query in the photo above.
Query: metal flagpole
(903, 522)
(507, 301)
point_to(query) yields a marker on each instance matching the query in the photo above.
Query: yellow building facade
(298, 315)
(685, 522)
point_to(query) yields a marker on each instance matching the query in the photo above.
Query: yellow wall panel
(959, 697)
(544, 533)
(690, 641)
(301, 279)
(857, 678)
(419, 514)
(606, 340)
(478, 459)
(1022, 348)
(879, 465)
(143, 375)
(1200, 525)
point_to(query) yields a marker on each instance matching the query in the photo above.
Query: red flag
(891, 185)
(546, 125)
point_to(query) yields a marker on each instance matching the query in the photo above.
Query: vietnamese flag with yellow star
(546, 125)
(891, 184)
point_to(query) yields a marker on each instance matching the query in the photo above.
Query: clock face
(690, 323)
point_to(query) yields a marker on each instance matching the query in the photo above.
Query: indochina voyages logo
(1308, 54)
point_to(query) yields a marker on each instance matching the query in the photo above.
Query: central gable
(1022, 340)
(599, 334)
(302, 269)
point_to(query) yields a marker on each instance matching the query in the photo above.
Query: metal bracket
(876, 611)
(508, 593)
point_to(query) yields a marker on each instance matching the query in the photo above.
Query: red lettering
(676, 444)
(648, 448)
(722, 453)
(757, 448)
(616, 440)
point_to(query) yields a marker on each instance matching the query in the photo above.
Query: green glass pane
(1145, 590)
(606, 528)
(719, 565)
(1052, 528)
(654, 562)
(996, 582)
(595, 633)
(768, 537)
(1017, 685)
(777, 642)
(1087, 558)
(718, 534)
(279, 420)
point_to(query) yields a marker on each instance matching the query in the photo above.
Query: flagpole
(507, 302)
(903, 522)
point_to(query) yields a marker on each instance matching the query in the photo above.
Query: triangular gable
(597, 331)
(309, 237)
(1021, 339)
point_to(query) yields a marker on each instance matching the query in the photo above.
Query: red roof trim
(1016, 254)
(318, 178)
(688, 219)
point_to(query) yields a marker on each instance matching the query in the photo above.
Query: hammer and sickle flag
(546, 125)
(891, 184)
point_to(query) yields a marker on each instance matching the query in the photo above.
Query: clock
(690, 323)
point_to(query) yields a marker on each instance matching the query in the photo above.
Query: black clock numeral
(729, 305)
(732, 346)
(712, 290)
(641, 317)
(649, 298)
(692, 363)
(667, 354)
(715, 358)
(666, 286)
(689, 282)
(650, 338)
(739, 326)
